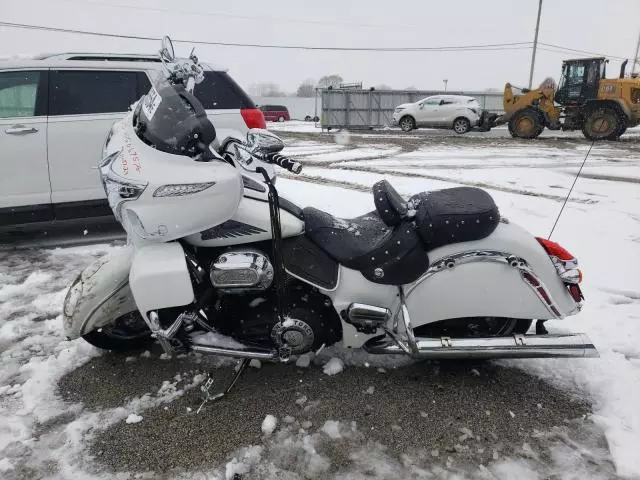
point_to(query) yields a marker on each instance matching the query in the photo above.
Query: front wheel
(527, 123)
(461, 125)
(128, 332)
(407, 123)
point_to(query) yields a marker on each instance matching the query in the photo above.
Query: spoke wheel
(407, 124)
(461, 125)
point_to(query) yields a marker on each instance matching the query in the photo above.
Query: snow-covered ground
(44, 436)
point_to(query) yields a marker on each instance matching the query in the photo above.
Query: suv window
(432, 101)
(219, 91)
(18, 94)
(76, 92)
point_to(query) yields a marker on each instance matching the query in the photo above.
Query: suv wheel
(461, 125)
(407, 123)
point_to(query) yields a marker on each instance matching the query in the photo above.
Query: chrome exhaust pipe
(516, 346)
(257, 353)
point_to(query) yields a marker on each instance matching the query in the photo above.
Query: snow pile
(332, 429)
(133, 418)
(269, 424)
(333, 366)
(304, 360)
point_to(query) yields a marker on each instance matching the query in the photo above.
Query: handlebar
(285, 162)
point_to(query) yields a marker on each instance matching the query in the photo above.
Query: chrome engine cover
(242, 270)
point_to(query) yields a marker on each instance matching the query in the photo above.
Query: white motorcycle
(218, 263)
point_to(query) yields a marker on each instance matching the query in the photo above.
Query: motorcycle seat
(454, 215)
(383, 254)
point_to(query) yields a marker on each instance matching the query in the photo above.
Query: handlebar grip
(286, 163)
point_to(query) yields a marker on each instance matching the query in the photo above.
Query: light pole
(445, 81)
(535, 45)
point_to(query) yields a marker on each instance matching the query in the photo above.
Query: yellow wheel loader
(584, 100)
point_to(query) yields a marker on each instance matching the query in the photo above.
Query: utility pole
(445, 81)
(636, 60)
(535, 45)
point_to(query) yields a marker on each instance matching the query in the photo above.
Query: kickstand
(206, 386)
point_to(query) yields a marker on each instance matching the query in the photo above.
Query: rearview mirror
(166, 52)
(421, 106)
(264, 142)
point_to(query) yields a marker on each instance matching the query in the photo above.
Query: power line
(458, 48)
(199, 13)
(560, 47)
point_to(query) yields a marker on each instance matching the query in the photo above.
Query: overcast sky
(609, 27)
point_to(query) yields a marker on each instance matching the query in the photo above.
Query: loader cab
(580, 80)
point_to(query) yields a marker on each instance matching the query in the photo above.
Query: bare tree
(333, 80)
(266, 89)
(306, 88)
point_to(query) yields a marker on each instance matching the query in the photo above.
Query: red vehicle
(275, 113)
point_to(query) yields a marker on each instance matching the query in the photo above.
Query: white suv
(457, 112)
(55, 112)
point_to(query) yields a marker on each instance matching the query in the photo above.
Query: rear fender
(99, 295)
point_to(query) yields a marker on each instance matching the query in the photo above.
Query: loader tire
(528, 123)
(129, 332)
(602, 123)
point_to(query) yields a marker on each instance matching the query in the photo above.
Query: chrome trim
(516, 346)
(360, 312)
(260, 354)
(493, 256)
(254, 268)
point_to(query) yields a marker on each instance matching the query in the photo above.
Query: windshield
(172, 120)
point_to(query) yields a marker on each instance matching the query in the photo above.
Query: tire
(316, 119)
(128, 332)
(281, 119)
(407, 123)
(527, 123)
(475, 327)
(602, 124)
(461, 125)
(307, 118)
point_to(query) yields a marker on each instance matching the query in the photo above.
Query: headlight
(117, 188)
(181, 189)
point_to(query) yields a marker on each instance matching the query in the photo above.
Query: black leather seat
(384, 254)
(454, 215)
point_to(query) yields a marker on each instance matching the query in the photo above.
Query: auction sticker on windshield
(151, 103)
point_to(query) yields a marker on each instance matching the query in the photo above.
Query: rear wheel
(474, 327)
(602, 124)
(461, 125)
(407, 123)
(527, 123)
(128, 332)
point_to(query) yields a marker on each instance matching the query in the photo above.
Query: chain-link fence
(342, 108)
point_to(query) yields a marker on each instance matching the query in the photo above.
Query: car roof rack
(96, 57)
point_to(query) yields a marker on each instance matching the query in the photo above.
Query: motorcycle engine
(241, 271)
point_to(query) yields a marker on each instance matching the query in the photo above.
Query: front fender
(99, 295)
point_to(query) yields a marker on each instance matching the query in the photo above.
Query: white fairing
(159, 277)
(468, 290)
(251, 223)
(163, 219)
(99, 295)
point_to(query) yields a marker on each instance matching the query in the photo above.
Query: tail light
(474, 110)
(566, 266)
(253, 118)
(555, 250)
